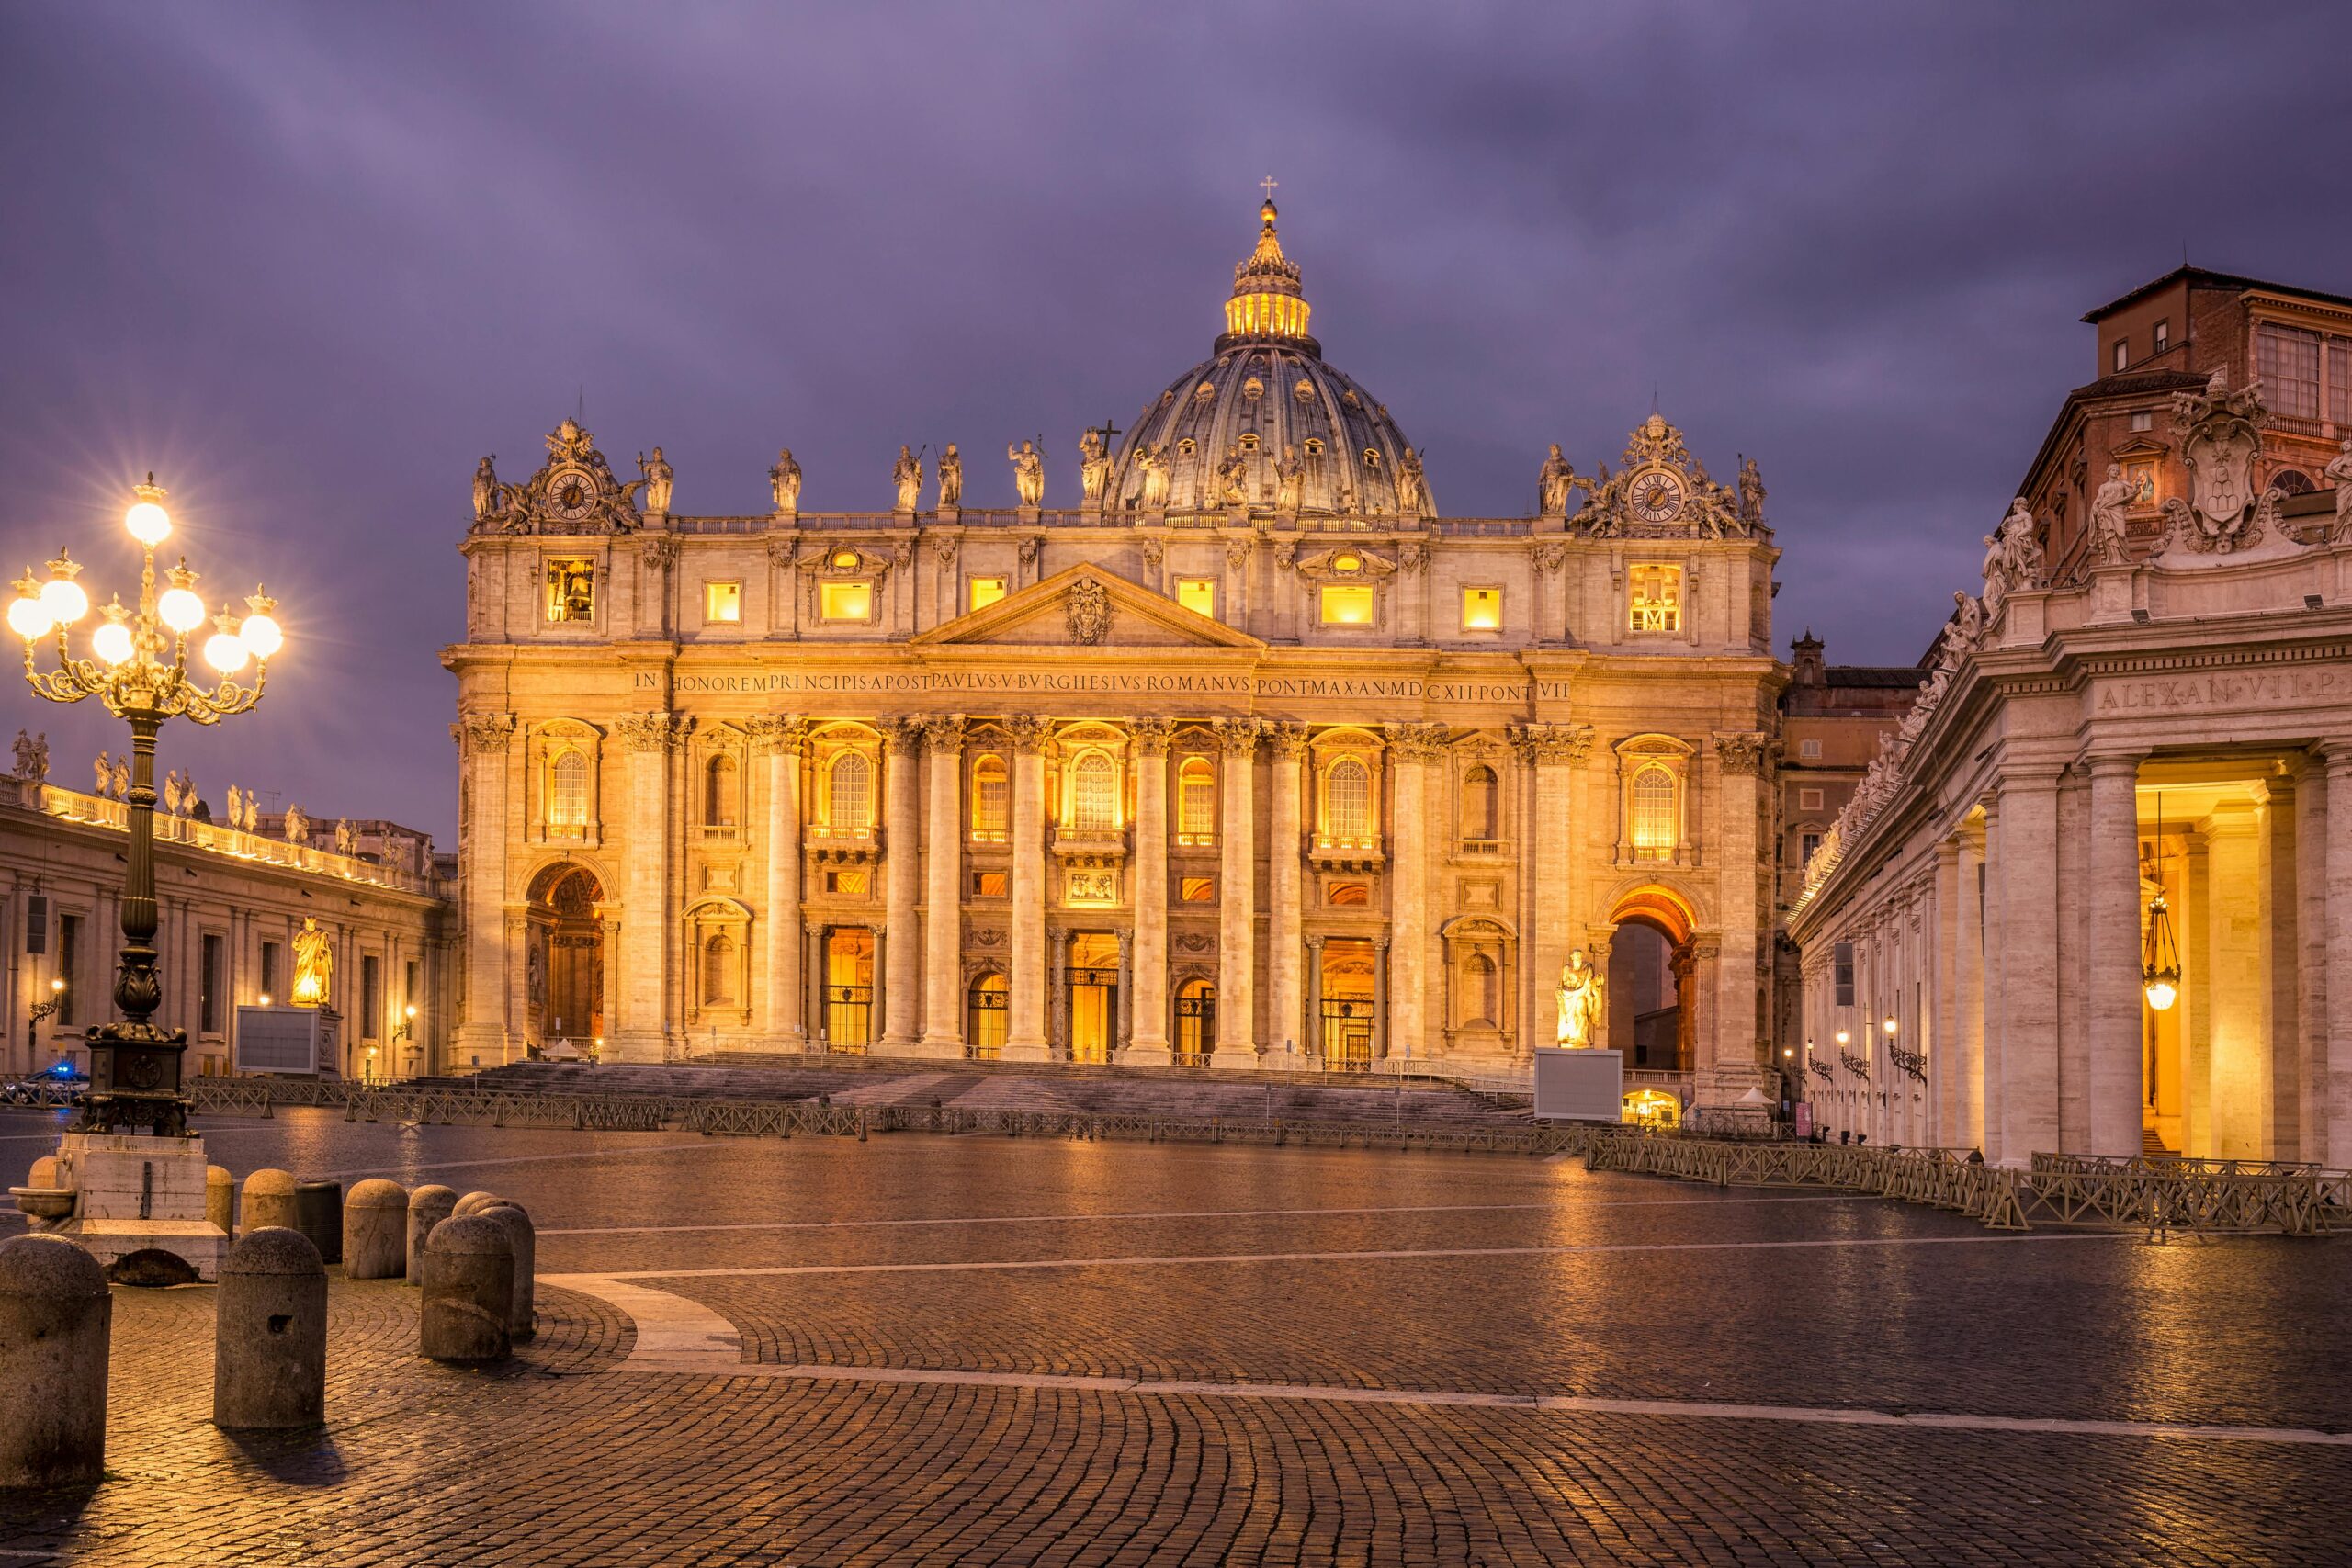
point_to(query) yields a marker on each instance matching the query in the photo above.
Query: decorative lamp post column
(138, 667)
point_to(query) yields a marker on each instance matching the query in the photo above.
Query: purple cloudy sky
(309, 263)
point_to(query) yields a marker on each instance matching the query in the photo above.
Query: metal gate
(1094, 1012)
(1196, 1024)
(1347, 1035)
(849, 1018)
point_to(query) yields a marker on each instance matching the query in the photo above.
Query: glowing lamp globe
(226, 652)
(148, 524)
(261, 636)
(111, 642)
(63, 599)
(182, 610)
(2161, 994)
(29, 618)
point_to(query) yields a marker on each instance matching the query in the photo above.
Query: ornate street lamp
(139, 668)
(43, 1009)
(2160, 960)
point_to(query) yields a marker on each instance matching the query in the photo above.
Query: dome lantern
(1267, 304)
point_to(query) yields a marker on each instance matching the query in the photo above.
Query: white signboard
(1579, 1086)
(285, 1040)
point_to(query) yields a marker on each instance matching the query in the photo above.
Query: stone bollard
(521, 1323)
(473, 1204)
(55, 1320)
(427, 1207)
(220, 1198)
(269, 1345)
(375, 1231)
(469, 1291)
(318, 1213)
(268, 1200)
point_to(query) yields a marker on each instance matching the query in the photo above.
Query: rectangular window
(571, 590)
(69, 968)
(1807, 845)
(2164, 335)
(2339, 383)
(2287, 358)
(1196, 889)
(722, 602)
(991, 884)
(208, 985)
(1197, 594)
(1482, 609)
(270, 991)
(1843, 959)
(2143, 421)
(1808, 800)
(1657, 598)
(848, 884)
(36, 924)
(1810, 750)
(1348, 894)
(1196, 802)
(2122, 356)
(846, 601)
(983, 592)
(992, 800)
(371, 996)
(408, 987)
(1347, 604)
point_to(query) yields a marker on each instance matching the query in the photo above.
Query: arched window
(851, 805)
(1347, 799)
(718, 972)
(1195, 801)
(989, 793)
(1094, 794)
(718, 792)
(1482, 996)
(1654, 830)
(568, 792)
(1481, 805)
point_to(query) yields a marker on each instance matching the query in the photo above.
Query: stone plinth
(133, 1191)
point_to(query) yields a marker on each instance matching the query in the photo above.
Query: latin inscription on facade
(2283, 688)
(947, 683)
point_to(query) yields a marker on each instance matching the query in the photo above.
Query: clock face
(1656, 497)
(570, 494)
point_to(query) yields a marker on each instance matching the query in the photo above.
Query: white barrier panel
(1579, 1086)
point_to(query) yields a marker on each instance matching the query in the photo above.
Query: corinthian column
(1738, 1057)
(1147, 1046)
(943, 933)
(1285, 1037)
(1554, 752)
(483, 743)
(1236, 958)
(1025, 1036)
(653, 738)
(780, 740)
(2113, 948)
(1411, 748)
(902, 885)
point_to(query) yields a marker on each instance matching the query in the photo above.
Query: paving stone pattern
(1681, 1292)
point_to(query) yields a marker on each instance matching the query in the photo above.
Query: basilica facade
(1250, 758)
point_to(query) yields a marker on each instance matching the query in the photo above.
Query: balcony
(829, 845)
(1337, 851)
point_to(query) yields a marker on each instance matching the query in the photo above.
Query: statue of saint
(345, 840)
(906, 474)
(951, 479)
(188, 803)
(296, 827)
(1028, 472)
(1412, 489)
(313, 963)
(1153, 465)
(1751, 492)
(1551, 482)
(122, 778)
(658, 478)
(172, 792)
(236, 808)
(2339, 468)
(1093, 466)
(1233, 477)
(1583, 1004)
(2021, 546)
(784, 482)
(485, 489)
(2110, 525)
(1290, 480)
(32, 758)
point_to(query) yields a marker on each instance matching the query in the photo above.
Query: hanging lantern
(2160, 962)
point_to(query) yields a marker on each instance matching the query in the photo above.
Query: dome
(1263, 402)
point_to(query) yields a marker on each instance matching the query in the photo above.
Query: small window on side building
(722, 602)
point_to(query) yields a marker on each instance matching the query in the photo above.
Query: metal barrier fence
(2157, 1195)
(787, 1117)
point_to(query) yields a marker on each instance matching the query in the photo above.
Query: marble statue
(485, 489)
(951, 479)
(657, 477)
(1154, 479)
(1093, 466)
(1584, 1014)
(32, 757)
(1028, 472)
(172, 797)
(1751, 492)
(2110, 523)
(345, 840)
(104, 771)
(1551, 484)
(1412, 488)
(253, 813)
(313, 962)
(122, 778)
(296, 827)
(2021, 547)
(784, 484)
(2339, 468)
(236, 808)
(906, 474)
(1290, 480)
(1969, 612)
(1233, 477)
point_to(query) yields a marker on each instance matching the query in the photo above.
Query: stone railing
(73, 806)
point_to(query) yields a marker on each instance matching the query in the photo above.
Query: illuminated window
(571, 590)
(1657, 598)
(1347, 604)
(1347, 799)
(1197, 594)
(846, 601)
(850, 800)
(1196, 890)
(1481, 806)
(1655, 830)
(985, 591)
(990, 884)
(2287, 358)
(1314, 443)
(718, 793)
(1094, 794)
(568, 792)
(989, 793)
(722, 602)
(845, 559)
(1250, 440)
(848, 884)
(1186, 448)
(1371, 458)
(1348, 894)
(1195, 801)
(1482, 609)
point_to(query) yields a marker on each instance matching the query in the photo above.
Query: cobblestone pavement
(989, 1351)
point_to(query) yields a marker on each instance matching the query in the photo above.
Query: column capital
(659, 730)
(1745, 753)
(1151, 733)
(1416, 742)
(1288, 740)
(483, 732)
(1238, 736)
(1315, 941)
(2109, 764)
(1541, 743)
(774, 732)
(1029, 732)
(944, 733)
(902, 734)
(2337, 756)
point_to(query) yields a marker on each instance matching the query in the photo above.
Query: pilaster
(2112, 955)
(1285, 1023)
(943, 941)
(483, 744)
(1148, 1044)
(902, 883)
(779, 740)
(1025, 1006)
(653, 739)
(1236, 958)
(1411, 748)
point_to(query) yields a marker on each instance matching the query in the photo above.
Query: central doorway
(984, 1017)
(1093, 979)
(1195, 1022)
(849, 989)
(1349, 1003)
(564, 969)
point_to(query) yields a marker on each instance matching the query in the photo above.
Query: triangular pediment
(1085, 606)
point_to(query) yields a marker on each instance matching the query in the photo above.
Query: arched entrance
(1346, 1001)
(563, 960)
(984, 1015)
(1652, 1011)
(1195, 1022)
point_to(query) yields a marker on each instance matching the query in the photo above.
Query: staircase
(2153, 1147)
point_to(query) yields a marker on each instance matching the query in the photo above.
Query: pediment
(1085, 606)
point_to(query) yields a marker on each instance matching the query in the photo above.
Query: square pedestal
(1579, 1085)
(134, 1190)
